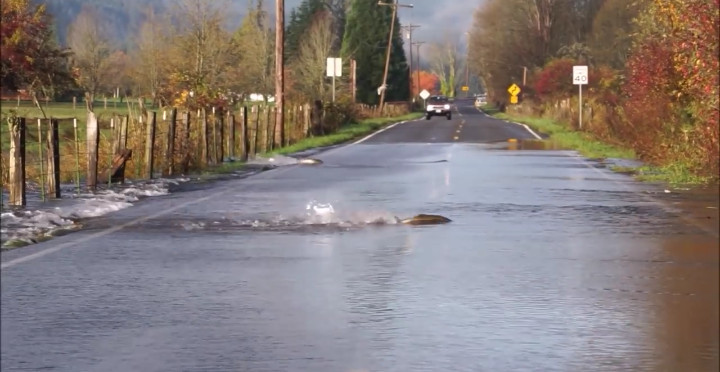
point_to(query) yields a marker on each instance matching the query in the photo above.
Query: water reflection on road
(549, 264)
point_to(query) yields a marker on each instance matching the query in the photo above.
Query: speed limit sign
(580, 75)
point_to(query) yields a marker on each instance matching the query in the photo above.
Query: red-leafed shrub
(649, 105)
(672, 85)
(555, 80)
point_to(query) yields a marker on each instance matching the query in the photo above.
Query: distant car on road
(480, 101)
(438, 105)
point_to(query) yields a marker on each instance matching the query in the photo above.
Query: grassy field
(57, 110)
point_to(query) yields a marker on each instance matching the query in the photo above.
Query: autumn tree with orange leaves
(428, 81)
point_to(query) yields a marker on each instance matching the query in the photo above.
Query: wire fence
(142, 144)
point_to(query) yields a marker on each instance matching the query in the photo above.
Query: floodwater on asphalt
(550, 263)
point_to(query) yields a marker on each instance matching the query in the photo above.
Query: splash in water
(320, 213)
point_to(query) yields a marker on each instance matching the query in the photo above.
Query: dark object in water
(425, 219)
(309, 161)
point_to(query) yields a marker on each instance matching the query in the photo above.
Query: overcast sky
(435, 17)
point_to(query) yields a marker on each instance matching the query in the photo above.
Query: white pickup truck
(438, 105)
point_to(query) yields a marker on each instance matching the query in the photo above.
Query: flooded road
(550, 263)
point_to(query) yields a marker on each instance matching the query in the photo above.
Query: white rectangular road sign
(580, 75)
(334, 67)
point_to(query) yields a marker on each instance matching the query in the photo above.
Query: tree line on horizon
(187, 56)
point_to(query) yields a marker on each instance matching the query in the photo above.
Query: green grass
(62, 110)
(58, 110)
(674, 174)
(345, 134)
(582, 142)
(590, 147)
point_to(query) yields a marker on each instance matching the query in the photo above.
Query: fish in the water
(309, 161)
(424, 219)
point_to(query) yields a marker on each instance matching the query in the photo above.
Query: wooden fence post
(221, 137)
(213, 151)
(272, 118)
(150, 145)
(186, 143)
(231, 135)
(266, 132)
(292, 123)
(123, 133)
(204, 154)
(298, 122)
(42, 160)
(53, 161)
(17, 162)
(93, 139)
(115, 133)
(244, 140)
(257, 130)
(306, 122)
(170, 149)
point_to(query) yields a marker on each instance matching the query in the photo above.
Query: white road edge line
(111, 230)
(528, 129)
(361, 140)
(512, 122)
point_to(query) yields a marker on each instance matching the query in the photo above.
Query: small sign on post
(580, 78)
(334, 69)
(424, 95)
(514, 90)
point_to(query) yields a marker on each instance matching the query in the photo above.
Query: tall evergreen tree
(300, 21)
(365, 40)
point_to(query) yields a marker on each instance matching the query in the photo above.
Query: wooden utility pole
(353, 79)
(410, 28)
(467, 76)
(383, 87)
(279, 72)
(417, 69)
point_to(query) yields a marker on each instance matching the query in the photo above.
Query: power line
(383, 87)
(410, 28)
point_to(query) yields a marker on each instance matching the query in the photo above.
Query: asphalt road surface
(551, 263)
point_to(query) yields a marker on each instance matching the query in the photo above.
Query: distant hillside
(121, 17)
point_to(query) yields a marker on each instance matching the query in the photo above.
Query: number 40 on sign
(580, 75)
